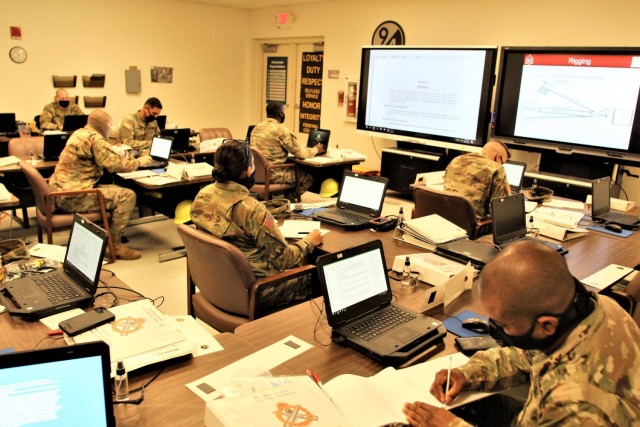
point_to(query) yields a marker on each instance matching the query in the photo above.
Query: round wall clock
(18, 54)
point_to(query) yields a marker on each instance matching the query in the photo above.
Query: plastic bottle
(193, 158)
(32, 158)
(400, 217)
(121, 382)
(406, 273)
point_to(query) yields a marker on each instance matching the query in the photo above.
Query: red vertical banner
(310, 91)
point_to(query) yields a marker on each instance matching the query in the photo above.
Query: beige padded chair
(49, 219)
(225, 282)
(213, 133)
(452, 206)
(263, 183)
(16, 183)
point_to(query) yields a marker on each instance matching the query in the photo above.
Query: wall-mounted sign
(310, 91)
(388, 33)
(277, 78)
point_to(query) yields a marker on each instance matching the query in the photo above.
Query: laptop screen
(180, 138)
(85, 251)
(354, 281)
(53, 145)
(7, 122)
(160, 148)
(600, 201)
(74, 122)
(362, 193)
(515, 172)
(509, 218)
(67, 386)
(318, 136)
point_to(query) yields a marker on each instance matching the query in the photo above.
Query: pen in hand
(446, 389)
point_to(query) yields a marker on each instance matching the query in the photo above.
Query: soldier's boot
(125, 253)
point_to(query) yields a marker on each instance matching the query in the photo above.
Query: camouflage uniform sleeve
(127, 133)
(264, 231)
(290, 142)
(497, 369)
(105, 157)
(74, 109)
(499, 185)
(46, 118)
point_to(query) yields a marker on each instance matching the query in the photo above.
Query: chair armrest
(483, 227)
(97, 191)
(275, 280)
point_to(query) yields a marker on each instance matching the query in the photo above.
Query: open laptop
(41, 295)
(160, 152)
(601, 206)
(53, 145)
(69, 386)
(509, 222)
(8, 126)
(74, 122)
(162, 122)
(319, 136)
(360, 200)
(358, 297)
(515, 174)
(180, 138)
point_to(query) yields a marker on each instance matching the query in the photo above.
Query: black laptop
(318, 136)
(180, 138)
(360, 200)
(162, 122)
(358, 297)
(515, 174)
(466, 250)
(160, 152)
(8, 126)
(41, 295)
(74, 122)
(510, 222)
(601, 206)
(63, 386)
(53, 145)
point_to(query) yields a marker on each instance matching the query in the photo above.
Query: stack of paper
(560, 217)
(434, 229)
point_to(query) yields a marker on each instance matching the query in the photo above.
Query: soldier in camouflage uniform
(480, 176)
(80, 167)
(52, 117)
(228, 211)
(138, 129)
(580, 351)
(276, 141)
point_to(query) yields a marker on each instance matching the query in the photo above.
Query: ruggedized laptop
(359, 201)
(34, 297)
(53, 145)
(318, 136)
(66, 386)
(358, 297)
(601, 205)
(180, 138)
(160, 152)
(515, 174)
(74, 122)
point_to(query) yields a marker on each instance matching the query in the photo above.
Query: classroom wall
(347, 25)
(207, 46)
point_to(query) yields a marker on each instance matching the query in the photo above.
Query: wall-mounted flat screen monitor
(571, 100)
(438, 96)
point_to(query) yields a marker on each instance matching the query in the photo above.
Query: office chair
(16, 183)
(263, 183)
(628, 298)
(227, 294)
(49, 219)
(213, 133)
(452, 206)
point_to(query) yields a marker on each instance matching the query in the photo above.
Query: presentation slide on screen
(592, 106)
(354, 279)
(435, 92)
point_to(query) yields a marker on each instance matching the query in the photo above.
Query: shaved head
(525, 280)
(495, 148)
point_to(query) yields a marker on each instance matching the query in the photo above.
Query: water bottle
(406, 273)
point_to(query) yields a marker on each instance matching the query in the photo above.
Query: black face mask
(150, 118)
(248, 181)
(63, 104)
(281, 117)
(580, 307)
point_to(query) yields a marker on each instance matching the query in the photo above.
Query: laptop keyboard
(379, 322)
(56, 287)
(619, 217)
(348, 214)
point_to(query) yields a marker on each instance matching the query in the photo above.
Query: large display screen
(433, 95)
(570, 99)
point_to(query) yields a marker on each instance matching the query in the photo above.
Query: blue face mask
(580, 307)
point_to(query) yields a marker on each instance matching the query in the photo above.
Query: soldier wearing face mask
(138, 129)
(52, 117)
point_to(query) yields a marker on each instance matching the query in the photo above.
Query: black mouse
(613, 227)
(475, 324)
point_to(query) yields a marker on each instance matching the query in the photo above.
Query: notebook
(468, 251)
(509, 222)
(79, 277)
(358, 296)
(359, 201)
(69, 386)
(318, 136)
(74, 122)
(180, 138)
(515, 174)
(601, 205)
(160, 152)
(53, 145)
